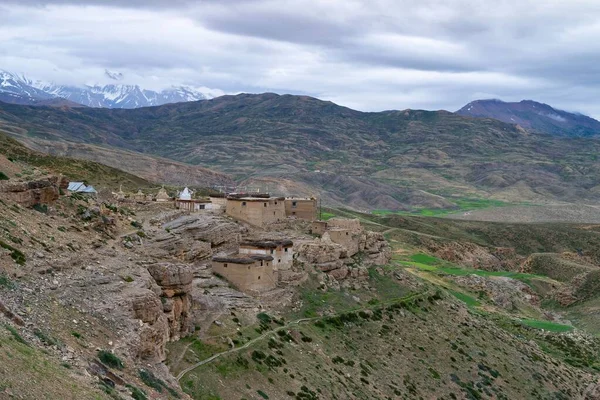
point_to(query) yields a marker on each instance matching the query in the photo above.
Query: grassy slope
(94, 173)
(26, 372)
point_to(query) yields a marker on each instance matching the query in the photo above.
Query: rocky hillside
(535, 116)
(387, 160)
(119, 301)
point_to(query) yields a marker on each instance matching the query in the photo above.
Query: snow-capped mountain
(21, 90)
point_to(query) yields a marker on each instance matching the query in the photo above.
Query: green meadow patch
(546, 325)
(462, 205)
(465, 298)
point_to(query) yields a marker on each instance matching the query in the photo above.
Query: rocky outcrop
(194, 238)
(40, 191)
(175, 282)
(377, 250)
(344, 251)
(154, 326)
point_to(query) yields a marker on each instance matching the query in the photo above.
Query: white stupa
(186, 194)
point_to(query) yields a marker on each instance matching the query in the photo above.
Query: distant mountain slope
(533, 115)
(19, 89)
(384, 160)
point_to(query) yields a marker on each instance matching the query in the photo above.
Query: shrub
(15, 254)
(137, 393)
(15, 334)
(136, 224)
(152, 381)
(262, 394)
(264, 318)
(3, 176)
(110, 359)
(43, 208)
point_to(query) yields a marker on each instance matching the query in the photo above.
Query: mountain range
(18, 89)
(533, 115)
(395, 160)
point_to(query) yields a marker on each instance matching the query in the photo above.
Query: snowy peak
(535, 116)
(21, 90)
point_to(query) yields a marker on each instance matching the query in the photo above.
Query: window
(264, 204)
(272, 251)
(279, 260)
(259, 277)
(273, 212)
(293, 212)
(346, 233)
(275, 203)
(285, 250)
(261, 263)
(248, 267)
(243, 204)
(225, 265)
(294, 204)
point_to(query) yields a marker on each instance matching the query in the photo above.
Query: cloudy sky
(365, 54)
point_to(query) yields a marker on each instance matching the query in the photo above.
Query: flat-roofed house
(281, 251)
(256, 210)
(302, 208)
(247, 272)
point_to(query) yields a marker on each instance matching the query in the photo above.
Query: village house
(346, 232)
(184, 201)
(302, 208)
(219, 201)
(80, 187)
(280, 250)
(247, 272)
(258, 210)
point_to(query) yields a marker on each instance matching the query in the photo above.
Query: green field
(546, 325)
(462, 205)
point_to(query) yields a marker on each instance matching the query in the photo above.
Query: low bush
(110, 359)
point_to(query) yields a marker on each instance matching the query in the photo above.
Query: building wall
(301, 208)
(282, 259)
(347, 238)
(248, 277)
(219, 202)
(318, 227)
(191, 205)
(256, 212)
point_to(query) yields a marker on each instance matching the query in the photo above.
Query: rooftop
(267, 244)
(243, 258)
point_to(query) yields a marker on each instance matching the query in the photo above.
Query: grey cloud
(376, 54)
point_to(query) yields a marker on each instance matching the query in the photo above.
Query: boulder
(174, 279)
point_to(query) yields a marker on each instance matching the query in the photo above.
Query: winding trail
(246, 345)
(289, 324)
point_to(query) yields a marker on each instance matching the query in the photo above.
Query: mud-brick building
(343, 231)
(219, 201)
(247, 272)
(302, 208)
(281, 251)
(256, 210)
(193, 205)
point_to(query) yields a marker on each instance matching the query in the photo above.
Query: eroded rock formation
(40, 191)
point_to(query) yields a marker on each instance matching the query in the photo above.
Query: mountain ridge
(533, 115)
(19, 89)
(394, 160)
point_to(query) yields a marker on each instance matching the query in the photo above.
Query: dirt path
(246, 345)
(289, 324)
